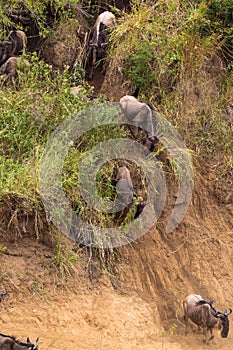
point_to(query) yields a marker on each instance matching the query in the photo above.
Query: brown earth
(143, 309)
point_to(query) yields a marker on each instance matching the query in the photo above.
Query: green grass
(29, 116)
(64, 259)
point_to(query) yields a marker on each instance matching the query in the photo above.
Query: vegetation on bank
(179, 53)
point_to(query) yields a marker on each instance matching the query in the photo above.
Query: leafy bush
(138, 67)
(213, 18)
(220, 13)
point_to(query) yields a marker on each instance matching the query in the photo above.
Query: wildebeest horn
(92, 44)
(7, 43)
(2, 294)
(103, 44)
(227, 312)
(35, 347)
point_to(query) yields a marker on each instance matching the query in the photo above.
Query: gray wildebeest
(124, 187)
(8, 342)
(100, 36)
(8, 71)
(128, 205)
(125, 193)
(142, 115)
(9, 55)
(203, 314)
(15, 46)
(126, 196)
(2, 295)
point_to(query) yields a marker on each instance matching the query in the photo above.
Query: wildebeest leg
(185, 324)
(134, 131)
(211, 335)
(148, 143)
(3, 79)
(206, 340)
(11, 79)
(188, 324)
(92, 63)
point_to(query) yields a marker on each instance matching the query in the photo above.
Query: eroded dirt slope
(144, 311)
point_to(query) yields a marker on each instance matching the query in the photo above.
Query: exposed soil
(99, 320)
(143, 311)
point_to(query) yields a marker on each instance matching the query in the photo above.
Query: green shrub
(29, 115)
(213, 18)
(138, 67)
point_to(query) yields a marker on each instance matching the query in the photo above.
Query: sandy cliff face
(144, 310)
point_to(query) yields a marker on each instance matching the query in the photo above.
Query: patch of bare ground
(143, 311)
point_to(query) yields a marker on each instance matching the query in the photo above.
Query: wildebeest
(141, 114)
(9, 55)
(99, 37)
(15, 46)
(8, 342)
(128, 204)
(203, 314)
(19, 42)
(8, 70)
(2, 295)
(124, 187)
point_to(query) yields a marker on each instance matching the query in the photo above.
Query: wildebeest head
(32, 346)
(2, 294)
(123, 173)
(225, 322)
(10, 342)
